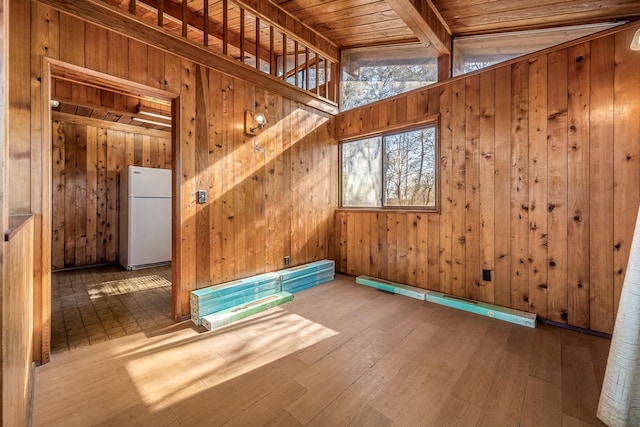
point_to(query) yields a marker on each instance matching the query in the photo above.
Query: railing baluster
(225, 26)
(317, 76)
(205, 24)
(306, 67)
(160, 13)
(257, 43)
(273, 65)
(284, 56)
(295, 61)
(184, 18)
(242, 35)
(132, 7)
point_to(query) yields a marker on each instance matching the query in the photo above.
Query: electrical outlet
(202, 196)
(486, 275)
(286, 261)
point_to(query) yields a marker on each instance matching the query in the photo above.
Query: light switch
(202, 196)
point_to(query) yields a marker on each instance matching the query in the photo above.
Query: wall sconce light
(254, 122)
(635, 42)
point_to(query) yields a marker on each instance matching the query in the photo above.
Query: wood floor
(340, 354)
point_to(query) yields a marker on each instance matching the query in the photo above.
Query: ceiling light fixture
(153, 112)
(151, 122)
(254, 122)
(635, 42)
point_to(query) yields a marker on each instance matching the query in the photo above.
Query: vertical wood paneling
(227, 179)
(18, 191)
(502, 238)
(538, 185)
(101, 197)
(58, 186)
(85, 167)
(578, 185)
(402, 248)
(215, 175)
(202, 176)
(539, 167)
(626, 155)
(601, 185)
(91, 193)
(422, 250)
(382, 245)
(519, 186)
(17, 323)
(557, 187)
(472, 187)
(446, 180)
(458, 193)
(188, 175)
(487, 182)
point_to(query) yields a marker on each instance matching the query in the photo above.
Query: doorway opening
(101, 130)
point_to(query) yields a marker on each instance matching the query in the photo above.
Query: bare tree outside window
(397, 170)
(373, 74)
(410, 168)
(362, 173)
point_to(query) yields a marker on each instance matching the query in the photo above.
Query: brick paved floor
(102, 303)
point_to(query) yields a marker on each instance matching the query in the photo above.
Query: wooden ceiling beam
(425, 21)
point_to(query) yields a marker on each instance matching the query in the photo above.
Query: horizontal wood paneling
(17, 322)
(86, 165)
(552, 170)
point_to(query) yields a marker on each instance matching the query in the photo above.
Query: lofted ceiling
(353, 23)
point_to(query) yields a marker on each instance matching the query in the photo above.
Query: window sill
(391, 210)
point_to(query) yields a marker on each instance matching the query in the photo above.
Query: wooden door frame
(53, 68)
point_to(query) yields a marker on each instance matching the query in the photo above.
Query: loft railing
(235, 30)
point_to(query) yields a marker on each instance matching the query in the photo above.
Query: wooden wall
(268, 196)
(539, 182)
(4, 152)
(17, 322)
(87, 157)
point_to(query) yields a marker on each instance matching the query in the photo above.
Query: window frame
(394, 130)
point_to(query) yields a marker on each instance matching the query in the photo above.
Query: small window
(395, 170)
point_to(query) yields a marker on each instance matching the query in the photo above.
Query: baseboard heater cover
(393, 287)
(225, 317)
(489, 310)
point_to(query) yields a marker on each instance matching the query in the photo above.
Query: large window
(393, 170)
(371, 74)
(476, 52)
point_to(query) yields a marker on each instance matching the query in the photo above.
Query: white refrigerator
(145, 217)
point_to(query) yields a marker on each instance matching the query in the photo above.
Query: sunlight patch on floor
(231, 352)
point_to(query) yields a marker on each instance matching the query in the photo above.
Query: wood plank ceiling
(354, 23)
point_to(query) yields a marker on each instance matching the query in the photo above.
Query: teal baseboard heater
(505, 314)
